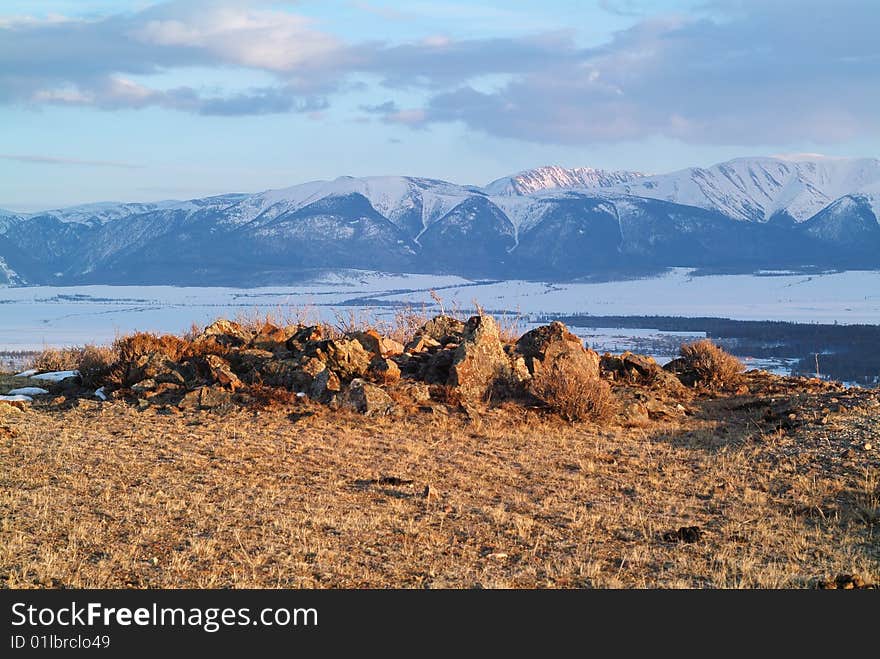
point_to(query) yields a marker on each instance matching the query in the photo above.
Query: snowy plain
(32, 318)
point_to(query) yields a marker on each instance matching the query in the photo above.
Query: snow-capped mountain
(558, 178)
(545, 223)
(760, 189)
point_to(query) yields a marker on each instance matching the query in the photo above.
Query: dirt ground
(775, 489)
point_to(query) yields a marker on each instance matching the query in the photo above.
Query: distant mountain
(792, 188)
(558, 178)
(546, 223)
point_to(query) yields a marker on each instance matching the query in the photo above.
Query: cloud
(732, 72)
(50, 160)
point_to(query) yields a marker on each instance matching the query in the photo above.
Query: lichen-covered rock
(225, 332)
(542, 347)
(383, 371)
(303, 336)
(344, 356)
(420, 344)
(366, 398)
(324, 385)
(205, 398)
(479, 360)
(376, 344)
(221, 372)
(443, 329)
(269, 337)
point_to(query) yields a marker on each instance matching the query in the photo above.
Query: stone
(346, 357)
(144, 385)
(375, 343)
(366, 398)
(225, 332)
(303, 336)
(324, 385)
(544, 346)
(221, 372)
(383, 371)
(418, 392)
(479, 360)
(443, 329)
(420, 344)
(205, 398)
(269, 337)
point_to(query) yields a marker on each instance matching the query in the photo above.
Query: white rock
(99, 393)
(18, 398)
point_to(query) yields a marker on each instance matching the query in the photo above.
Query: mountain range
(549, 223)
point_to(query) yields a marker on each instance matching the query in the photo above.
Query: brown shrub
(94, 364)
(712, 366)
(129, 348)
(573, 394)
(60, 359)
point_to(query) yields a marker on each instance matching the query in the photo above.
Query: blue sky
(141, 100)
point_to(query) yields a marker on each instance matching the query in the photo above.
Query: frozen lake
(33, 318)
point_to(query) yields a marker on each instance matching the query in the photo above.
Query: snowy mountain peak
(553, 177)
(759, 189)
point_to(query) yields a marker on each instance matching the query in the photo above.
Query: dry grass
(574, 394)
(714, 367)
(57, 359)
(93, 362)
(105, 496)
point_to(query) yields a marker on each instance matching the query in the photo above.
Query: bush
(94, 364)
(573, 394)
(710, 364)
(62, 359)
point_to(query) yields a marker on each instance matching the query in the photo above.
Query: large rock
(375, 343)
(366, 398)
(303, 336)
(154, 366)
(443, 329)
(544, 346)
(325, 385)
(270, 337)
(344, 356)
(221, 372)
(224, 332)
(205, 398)
(479, 360)
(640, 369)
(383, 371)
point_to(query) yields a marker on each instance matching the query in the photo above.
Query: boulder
(443, 329)
(640, 369)
(366, 398)
(301, 336)
(383, 371)
(376, 344)
(325, 385)
(420, 344)
(418, 392)
(224, 332)
(154, 366)
(205, 398)
(221, 372)
(269, 337)
(479, 360)
(344, 356)
(543, 346)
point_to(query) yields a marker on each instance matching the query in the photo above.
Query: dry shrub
(712, 366)
(60, 359)
(94, 364)
(406, 321)
(573, 394)
(510, 327)
(130, 348)
(265, 397)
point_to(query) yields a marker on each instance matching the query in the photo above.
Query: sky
(138, 100)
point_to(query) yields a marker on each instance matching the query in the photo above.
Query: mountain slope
(762, 189)
(555, 178)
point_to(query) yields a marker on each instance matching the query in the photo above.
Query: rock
(383, 371)
(288, 373)
(205, 398)
(154, 366)
(443, 330)
(640, 369)
(304, 335)
(636, 415)
(543, 346)
(221, 372)
(375, 343)
(479, 360)
(224, 332)
(144, 385)
(418, 392)
(269, 337)
(324, 385)
(346, 357)
(27, 391)
(420, 344)
(366, 398)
